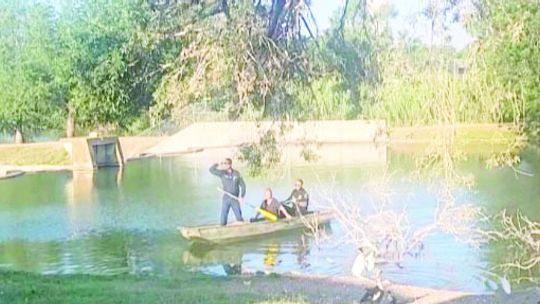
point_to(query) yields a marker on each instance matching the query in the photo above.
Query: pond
(124, 220)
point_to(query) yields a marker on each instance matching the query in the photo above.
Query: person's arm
(242, 185)
(214, 170)
(290, 198)
(305, 200)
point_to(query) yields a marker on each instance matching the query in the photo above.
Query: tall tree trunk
(19, 136)
(275, 13)
(70, 123)
(342, 19)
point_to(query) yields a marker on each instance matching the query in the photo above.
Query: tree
(27, 100)
(508, 56)
(352, 46)
(109, 62)
(244, 57)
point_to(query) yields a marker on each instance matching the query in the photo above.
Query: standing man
(232, 182)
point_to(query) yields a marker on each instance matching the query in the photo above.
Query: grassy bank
(18, 287)
(22, 287)
(30, 155)
(464, 134)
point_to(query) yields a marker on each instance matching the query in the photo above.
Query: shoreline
(189, 287)
(402, 139)
(12, 171)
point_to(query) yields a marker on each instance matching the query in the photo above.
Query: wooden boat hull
(218, 233)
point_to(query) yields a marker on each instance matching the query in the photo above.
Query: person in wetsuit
(299, 198)
(234, 184)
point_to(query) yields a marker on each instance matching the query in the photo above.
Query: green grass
(465, 134)
(34, 155)
(20, 287)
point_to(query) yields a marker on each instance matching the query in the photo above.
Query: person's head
(227, 163)
(299, 184)
(268, 194)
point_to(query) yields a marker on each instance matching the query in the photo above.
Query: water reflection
(120, 252)
(201, 254)
(80, 187)
(262, 254)
(302, 250)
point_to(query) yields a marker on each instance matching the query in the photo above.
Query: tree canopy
(135, 65)
(27, 95)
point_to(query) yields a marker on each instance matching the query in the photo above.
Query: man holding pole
(233, 186)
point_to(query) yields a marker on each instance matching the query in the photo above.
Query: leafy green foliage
(27, 99)
(508, 55)
(494, 80)
(262, 155)
(110, 60)
(323, 98)
(232, 64)
(351, 48)
(421, 87)
(131, 64)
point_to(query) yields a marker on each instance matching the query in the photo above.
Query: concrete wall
(80, 153)
(118, 157)
(4, 171)
(213, 135)
(334, 154)
(227, 134)
(132, 147)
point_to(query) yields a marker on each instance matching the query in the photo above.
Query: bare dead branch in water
(524, 235)
(315, 229)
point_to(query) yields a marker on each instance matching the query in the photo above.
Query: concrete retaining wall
(82, 154)
(132, 147)
(211, 135)
(79, 152)
(324, 155)
(227, 134)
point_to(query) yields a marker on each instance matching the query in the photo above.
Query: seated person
(299, 198)
(272, 205)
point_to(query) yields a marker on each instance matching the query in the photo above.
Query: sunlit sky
(406, 10)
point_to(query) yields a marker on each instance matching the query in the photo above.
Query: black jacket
(300, 197)
(232, 182)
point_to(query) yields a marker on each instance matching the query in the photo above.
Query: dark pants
(295, 210)
(226, 205)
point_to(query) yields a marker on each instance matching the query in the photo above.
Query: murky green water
(123, 221)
